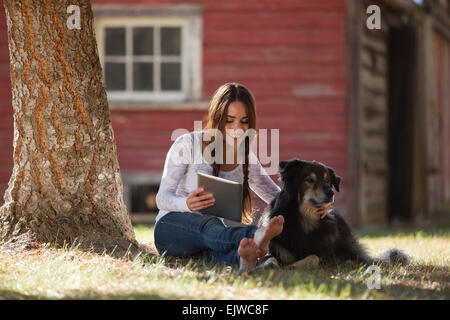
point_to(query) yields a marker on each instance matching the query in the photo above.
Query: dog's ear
(287, 165)
(290, 184)
(282, 165)
(335, 179)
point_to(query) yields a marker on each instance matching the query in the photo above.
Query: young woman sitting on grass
(181, 229)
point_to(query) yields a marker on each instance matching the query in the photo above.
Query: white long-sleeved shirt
(179, 178)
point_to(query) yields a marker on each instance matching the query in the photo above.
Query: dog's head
(310, 182)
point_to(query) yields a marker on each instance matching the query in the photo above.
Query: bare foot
(265, 234)
(249, 253)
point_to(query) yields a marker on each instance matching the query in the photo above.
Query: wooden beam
(353, 30)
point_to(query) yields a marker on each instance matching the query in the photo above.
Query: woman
(181, 229)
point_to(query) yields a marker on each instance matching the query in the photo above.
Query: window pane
(115, 76)
(171, 41)
(115, 41)
(143, 41)
(170, 76)
(142, 76)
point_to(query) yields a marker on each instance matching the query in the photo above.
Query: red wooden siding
(290, 54)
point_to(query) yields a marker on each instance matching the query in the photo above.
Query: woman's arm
(177, 160)
(260, 182)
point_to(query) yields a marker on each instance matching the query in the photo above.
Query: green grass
(50, 273)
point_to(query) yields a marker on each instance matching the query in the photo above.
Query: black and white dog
(306, 188)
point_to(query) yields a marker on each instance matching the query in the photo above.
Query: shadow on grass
(351, 283)
(346, 280)
(80, 295)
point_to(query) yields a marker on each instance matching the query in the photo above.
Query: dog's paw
(306, 263)
(268, 263)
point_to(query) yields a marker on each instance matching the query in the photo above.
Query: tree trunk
(66, 183)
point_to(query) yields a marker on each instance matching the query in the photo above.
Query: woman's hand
(322, 212)
(196, 202)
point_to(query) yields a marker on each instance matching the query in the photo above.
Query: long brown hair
(218, 108)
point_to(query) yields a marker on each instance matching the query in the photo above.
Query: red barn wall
(290, 54)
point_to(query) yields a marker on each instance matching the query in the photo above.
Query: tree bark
(66, 184)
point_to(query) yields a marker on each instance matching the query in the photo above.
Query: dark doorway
(402, 79)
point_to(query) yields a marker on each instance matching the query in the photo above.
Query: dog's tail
(394, 256)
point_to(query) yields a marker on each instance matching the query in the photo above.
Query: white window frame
(191, 53)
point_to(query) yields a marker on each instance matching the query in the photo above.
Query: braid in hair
(215, 165)
(247, 208)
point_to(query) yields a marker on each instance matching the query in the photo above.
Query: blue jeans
(183, 234)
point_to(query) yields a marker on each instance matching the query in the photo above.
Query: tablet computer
(228, 195)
